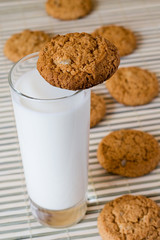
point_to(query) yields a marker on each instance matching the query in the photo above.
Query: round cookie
(129, 153)
(21, 44)
(130, 218)
(124, 39)
(98, 109)
(133, 86)
(68, 9)
(77, 61)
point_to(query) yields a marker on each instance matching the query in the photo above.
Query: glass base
(59, 218)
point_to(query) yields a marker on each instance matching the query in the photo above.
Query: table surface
(143, 17)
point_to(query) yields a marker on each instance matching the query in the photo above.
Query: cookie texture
(77, 61)
(98, 109)
(130, 218)
(68, 9)
(21, 44)
(129, 153)
(123, 38)
(133, 86)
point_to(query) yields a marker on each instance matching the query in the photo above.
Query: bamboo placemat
(143, 17)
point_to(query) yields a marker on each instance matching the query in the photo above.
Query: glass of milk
(53, 131)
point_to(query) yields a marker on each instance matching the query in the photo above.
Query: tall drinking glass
(53, 131)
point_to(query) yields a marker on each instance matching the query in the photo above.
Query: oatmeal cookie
(129, 153)
(21, 44)
(98, 109)
(133, 86)
(130, 218)
(68, 9)
(77, 61)
(123, 38)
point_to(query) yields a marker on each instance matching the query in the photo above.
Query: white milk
(53, 136)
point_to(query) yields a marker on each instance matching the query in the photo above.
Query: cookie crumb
(63, 62)
(123, 163)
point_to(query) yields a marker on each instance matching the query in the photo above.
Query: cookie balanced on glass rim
(77, 61)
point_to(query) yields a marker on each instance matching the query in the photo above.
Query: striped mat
(143, 17)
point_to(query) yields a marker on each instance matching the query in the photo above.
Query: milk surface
(53, 137)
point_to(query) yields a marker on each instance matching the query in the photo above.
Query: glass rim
(32, 55)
